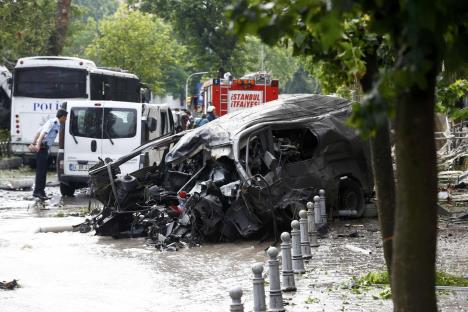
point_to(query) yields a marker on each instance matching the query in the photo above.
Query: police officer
(43, 141)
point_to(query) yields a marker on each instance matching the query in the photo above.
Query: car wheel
(351, 199)
(67, 189)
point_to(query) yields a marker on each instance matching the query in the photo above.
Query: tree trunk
(382, 166)
(57, 39)
(414, 245)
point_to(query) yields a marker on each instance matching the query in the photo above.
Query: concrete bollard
(286, 269)
(276, 297)
(318, 217)
(305, 244)
(323, 208)
(297, 261)
(236, 295)
(258, 288)
(311, 225)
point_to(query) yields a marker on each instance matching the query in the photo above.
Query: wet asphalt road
(82, 272)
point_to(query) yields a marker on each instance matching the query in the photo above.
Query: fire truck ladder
(223, 99)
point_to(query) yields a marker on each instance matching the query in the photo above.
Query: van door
(82, 138)
(121, 132)
(154, 131)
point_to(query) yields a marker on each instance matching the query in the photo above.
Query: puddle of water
(83, 272)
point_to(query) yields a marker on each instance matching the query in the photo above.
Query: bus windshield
(50, 82)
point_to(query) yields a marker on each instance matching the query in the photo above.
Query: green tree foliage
(26, 27)
(140, 43)
(96, 9)
(82, 34)
(84, 27)
(450, 98)
(253, 56)
(203, 28)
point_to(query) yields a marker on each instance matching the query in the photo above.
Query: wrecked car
(244, 175)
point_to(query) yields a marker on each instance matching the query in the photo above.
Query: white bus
(42, 83)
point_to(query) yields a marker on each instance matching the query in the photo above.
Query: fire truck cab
(228, 95)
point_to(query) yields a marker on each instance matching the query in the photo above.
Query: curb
(11, 163)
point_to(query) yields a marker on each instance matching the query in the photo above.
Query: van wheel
(351, 197)
(67, 189)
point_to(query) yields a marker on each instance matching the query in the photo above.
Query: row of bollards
(295, 248)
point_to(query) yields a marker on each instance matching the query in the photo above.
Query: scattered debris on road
(9, 285)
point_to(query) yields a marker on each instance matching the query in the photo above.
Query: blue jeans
(42, 163)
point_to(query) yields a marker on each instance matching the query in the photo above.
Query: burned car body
(246, 174)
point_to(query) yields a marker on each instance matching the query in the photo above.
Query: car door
(82, 138)
(121, 132)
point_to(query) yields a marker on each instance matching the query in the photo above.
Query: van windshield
(50, 82)
(99, 123)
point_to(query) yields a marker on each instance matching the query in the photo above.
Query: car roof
(223, 130)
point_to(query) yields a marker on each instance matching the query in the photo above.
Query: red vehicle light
(182, 194)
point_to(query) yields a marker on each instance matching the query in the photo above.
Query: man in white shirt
(43, 141)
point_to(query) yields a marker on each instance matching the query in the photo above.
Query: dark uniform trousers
(42, 163)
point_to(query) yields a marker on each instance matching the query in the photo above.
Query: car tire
(67, 189)
(351, 197)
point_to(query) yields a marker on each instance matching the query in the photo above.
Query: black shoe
(41, 197)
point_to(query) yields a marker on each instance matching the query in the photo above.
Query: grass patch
(445, 279)
(442, 279)
(312, 300)
(372, 279)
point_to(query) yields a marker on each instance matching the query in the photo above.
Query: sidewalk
(326, 284)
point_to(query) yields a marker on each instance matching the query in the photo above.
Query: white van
(107, 129)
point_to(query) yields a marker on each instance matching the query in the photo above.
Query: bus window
(97, 87)
(112, 88)
(50, 82)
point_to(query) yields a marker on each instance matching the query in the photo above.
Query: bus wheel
(67, 189)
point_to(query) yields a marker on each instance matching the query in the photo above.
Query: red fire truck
(228, 95)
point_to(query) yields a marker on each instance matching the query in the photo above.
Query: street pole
(186, 85)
